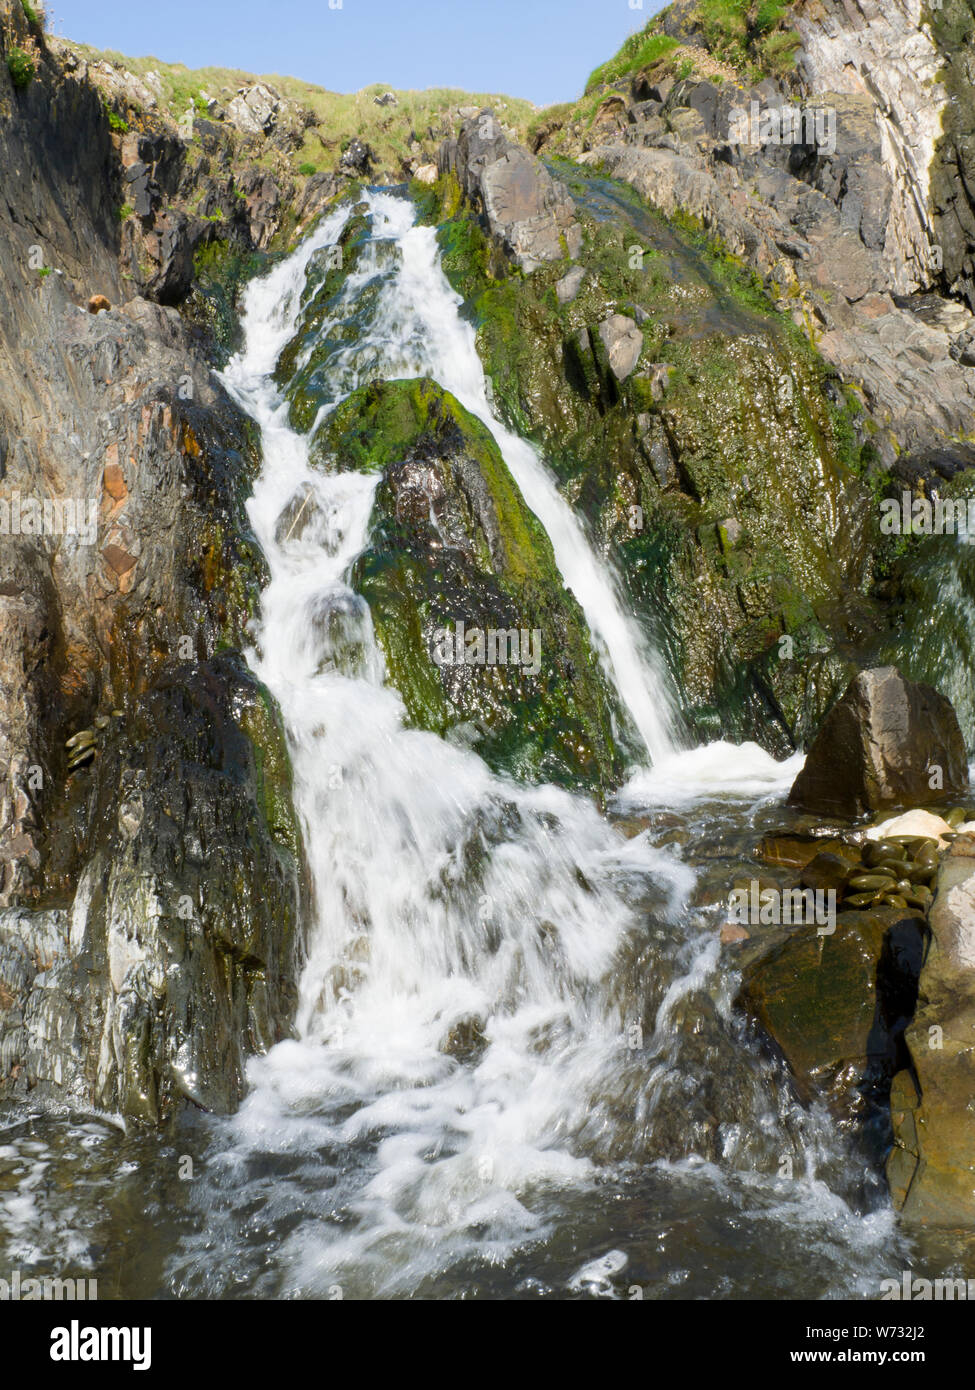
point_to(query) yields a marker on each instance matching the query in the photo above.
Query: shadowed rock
(931, 1168)
(150, 875)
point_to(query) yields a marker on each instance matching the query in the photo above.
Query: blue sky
(540, 49)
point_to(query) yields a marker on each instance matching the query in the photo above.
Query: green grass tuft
(21, 67)
(341, 115)
(752, 36)
(639, 51)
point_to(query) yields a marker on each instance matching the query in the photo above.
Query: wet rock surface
(150, 870)
(476, 626)
(931, 1168)
(873, 1017)
(886, 743)
(835, 1005)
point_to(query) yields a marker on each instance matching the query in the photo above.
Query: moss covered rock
(452, 542)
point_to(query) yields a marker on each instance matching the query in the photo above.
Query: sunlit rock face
(882, 52)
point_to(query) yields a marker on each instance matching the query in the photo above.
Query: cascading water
(512, 1035)
(451, 359)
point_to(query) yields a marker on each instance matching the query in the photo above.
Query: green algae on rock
(452, 541)
(835, 1005)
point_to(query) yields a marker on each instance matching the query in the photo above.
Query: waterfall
(499, 985)
(418, 331)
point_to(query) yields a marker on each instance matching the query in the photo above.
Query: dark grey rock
(356, 157)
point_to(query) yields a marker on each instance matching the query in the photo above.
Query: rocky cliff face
(193, 201)
(838, 178)
(886, 53)
(151, 865)
(842, 224)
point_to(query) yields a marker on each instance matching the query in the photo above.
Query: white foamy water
(465, 1065)
(738, 771)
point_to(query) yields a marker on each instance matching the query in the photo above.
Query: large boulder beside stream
(886, 743)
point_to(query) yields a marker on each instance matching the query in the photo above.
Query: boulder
(835, 1005)
(356, 157)
(886, 743)
(569, 286)
(254, 110)
(317, 193)
(454, 549)
(604, 356)
(262, 200)
(123, 86)
(623, 343)
(655, 448)
(962, 349)
(826, 871)
(916, 822)
(530, 213)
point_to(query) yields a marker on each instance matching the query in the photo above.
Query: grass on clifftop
(639, 51)
(428, 115)
(752, 36)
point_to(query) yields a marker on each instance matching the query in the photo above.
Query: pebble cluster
(899, 870)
